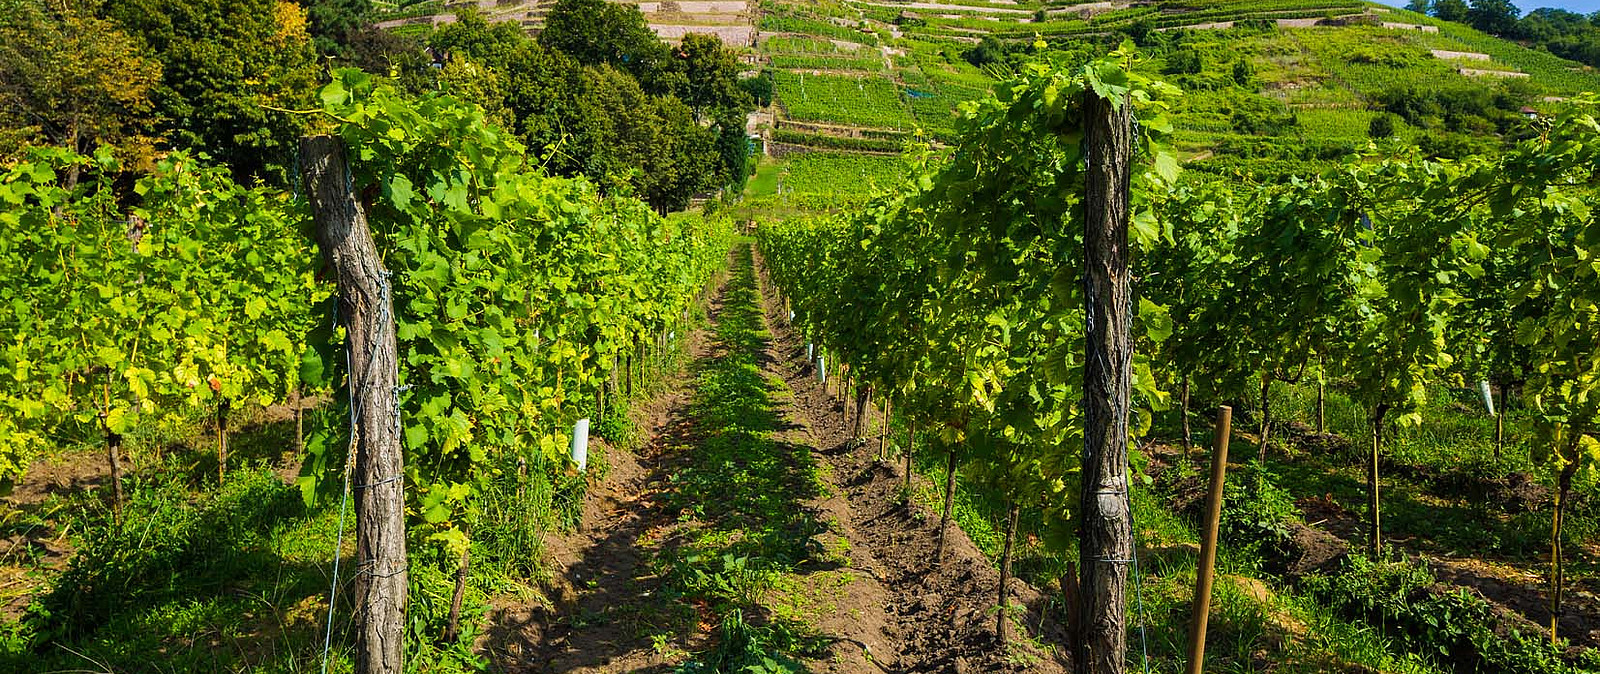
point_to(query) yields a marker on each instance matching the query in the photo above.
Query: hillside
(1269, 84)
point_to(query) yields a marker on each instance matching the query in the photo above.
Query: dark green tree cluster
(1569, 35)
(1459, 119)
(600, 95)
(1565, 33)
(144, 75)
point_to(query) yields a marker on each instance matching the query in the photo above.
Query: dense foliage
(516, 293)
(957, 297)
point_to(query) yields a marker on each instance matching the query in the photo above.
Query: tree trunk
(1106, 539)
(1558, 557)
(1266, 417)
(949, 498)
(452, 629)
(629, 369)
(1183, 407)
(1071, 601)
(222, 440)
(1374, 507)
(1002, 618)
(366, 310)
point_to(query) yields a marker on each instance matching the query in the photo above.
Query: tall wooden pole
(367, 312)
(1208, 542)
(1106, 539)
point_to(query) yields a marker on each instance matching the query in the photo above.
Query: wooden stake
(1208, 542)
(1002, 619)
(222, 440)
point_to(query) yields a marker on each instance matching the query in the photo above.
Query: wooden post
(299, 424)
(883, 430)
(949, 498)
(1322, 397)
(1183, 408)
(1558, 557)
(1002, 617)
(452, 629)
(1208, 543)
(1500, 423)
(1374, 503)
(911, 443)
(1266, 417)
(1106, 539)
(114, 455)
(222, 440)
(367, 312)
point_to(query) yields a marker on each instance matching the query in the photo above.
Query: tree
(334, 23)
(733, 151)
(710, 81)
(1244, 74)
(759, 88)
(1495, 17)
(471, 81)
(596, 32)
(1419, 6)
(1184, 62)
(473, 35)
(385, 52)
(989, 50)
(72, 80)
(1381, 126)
(1450, 10)
(225, 65)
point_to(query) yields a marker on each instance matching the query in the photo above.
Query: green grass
(747, 547)
(765, 181)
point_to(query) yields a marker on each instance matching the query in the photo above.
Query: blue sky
(1580, 6)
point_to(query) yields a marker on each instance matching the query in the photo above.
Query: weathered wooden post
(367, 312)
(1106, 539)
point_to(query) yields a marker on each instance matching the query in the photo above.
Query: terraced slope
(1269, 84)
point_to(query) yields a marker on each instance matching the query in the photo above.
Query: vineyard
(871, 336)
(1395, 282)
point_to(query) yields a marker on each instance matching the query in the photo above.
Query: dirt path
(750, 528)
(941, 614)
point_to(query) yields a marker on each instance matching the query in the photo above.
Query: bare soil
(892, 607)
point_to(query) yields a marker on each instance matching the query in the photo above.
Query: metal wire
(350, 451)
(1138, 584)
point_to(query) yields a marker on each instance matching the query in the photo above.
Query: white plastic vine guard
(1488, 396)
(580, 444)
(822, 368)
(809, 354)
